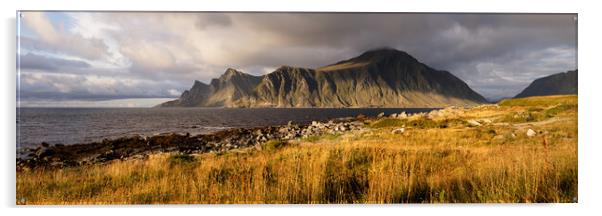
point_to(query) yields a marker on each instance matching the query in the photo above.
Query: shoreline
(140, 147)
(64, 126)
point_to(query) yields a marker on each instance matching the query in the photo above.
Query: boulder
(380, 115)
(402, 115)
(531, 133)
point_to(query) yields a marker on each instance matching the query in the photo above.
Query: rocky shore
(139, 147)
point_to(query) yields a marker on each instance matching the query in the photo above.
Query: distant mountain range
(377, 78)
(556, 84)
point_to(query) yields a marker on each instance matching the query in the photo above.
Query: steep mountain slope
(556, 84)
(226, 91)
(377, 78)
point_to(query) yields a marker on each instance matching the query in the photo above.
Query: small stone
(380, 115)
(486, 121)
(473, 123)
(394, 115)
(398, 131)
(402, 115)
(531, 133)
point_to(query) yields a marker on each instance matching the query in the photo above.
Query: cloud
(160, 54)
(57, 39)
(137, 102)
(174, 92)
(46, 63)
(69, 86)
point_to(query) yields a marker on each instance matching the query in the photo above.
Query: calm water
(81, 125)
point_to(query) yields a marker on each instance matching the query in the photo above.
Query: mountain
(556, 84)
(377, 78)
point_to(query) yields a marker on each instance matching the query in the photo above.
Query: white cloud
(174, 92)
(60, 40)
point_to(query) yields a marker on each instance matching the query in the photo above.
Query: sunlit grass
(425, 164)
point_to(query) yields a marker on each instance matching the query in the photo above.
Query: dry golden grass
(493, 163)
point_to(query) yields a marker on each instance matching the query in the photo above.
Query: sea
(84, 125)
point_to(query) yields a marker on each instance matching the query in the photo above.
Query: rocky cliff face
(556, 84)
(226, 91)
(377, 78)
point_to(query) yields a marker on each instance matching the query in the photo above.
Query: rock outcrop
(139, 147)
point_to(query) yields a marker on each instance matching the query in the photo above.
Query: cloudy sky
(75, 58)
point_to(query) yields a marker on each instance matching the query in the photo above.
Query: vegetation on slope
(427, 163)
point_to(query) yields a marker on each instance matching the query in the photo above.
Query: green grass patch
(551, 112)
(181, 158)
(421, 123)
(538, 114)
(316, 138)
(543, 101)
(522, 117)
(388, 122)
(272, 145)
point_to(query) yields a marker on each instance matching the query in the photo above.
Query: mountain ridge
(555, 84)
(376, 78)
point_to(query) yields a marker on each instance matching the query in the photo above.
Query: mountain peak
(371, 57)
(385, 52)
(231, 72)
(284, 67)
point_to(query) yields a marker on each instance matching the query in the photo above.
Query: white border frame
(589, 119)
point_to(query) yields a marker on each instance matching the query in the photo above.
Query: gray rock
(380, 115)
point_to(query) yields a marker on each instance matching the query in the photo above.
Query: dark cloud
(45, 63)
(496, 54)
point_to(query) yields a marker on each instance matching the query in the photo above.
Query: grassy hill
(481, 154)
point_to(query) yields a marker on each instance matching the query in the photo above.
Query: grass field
(439, 158)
